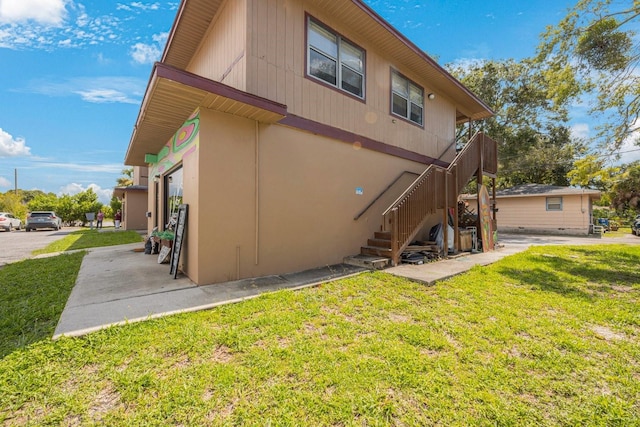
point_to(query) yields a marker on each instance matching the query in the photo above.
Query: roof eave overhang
(173, 95)
(195, 16)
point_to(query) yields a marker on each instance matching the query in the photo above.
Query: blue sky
(73, 73)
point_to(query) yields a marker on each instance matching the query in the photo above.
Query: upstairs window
(554, 203)
(334, 60)
(407, 98)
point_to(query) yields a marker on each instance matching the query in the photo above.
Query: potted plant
(164, 238)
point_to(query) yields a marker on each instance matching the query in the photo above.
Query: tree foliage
(126, 180)
(12, 202)
(625, 193)
(595, 49)
(591, 171)
(535, 144)
(70, 208)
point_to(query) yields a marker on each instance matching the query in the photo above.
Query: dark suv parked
(43, 219)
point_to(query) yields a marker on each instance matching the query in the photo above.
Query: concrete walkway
(117, 285)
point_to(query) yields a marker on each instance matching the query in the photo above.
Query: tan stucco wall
(530, 213)
(140, 175)
(135, 208)
(300, 214)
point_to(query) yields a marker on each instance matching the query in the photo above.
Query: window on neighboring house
(407, 98)
(554, 203)
(334, 60)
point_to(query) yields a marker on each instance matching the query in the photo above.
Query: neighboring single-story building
(288, 129)
(538, 208)
(134, 199)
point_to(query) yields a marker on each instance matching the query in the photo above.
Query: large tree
(625, 194)
(594, 51)
(535, 144)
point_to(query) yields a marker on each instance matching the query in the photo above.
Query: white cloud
(45, 12)
(104, 194)
(12, 147)
(77, 167)
(4, 182)
(580, 131)
(96, 90)
(106, 96)
(147, 6)
(145, 53)
(630, 148)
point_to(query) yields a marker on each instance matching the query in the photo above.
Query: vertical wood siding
(222, 55)
(276, 70)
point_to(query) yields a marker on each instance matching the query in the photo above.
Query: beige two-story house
(299, 132)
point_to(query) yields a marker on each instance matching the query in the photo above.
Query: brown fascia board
(380, 21)
(195, 81)
(189, 79)
(164, 71)
(352, 138)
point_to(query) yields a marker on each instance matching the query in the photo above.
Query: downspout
(257, 191)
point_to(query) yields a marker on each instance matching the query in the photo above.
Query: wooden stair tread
(376, 251)
(381, 243)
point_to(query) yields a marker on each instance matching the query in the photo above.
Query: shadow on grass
(575, 270)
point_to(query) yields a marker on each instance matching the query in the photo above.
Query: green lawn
(87, 238)
(33, 294)
(547, 337)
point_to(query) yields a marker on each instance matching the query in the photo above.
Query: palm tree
(127, 179)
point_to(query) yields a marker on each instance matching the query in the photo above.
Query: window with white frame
(407, 98)
(334, 60)
(554, 203)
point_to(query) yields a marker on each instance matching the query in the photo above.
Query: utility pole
(15, 180)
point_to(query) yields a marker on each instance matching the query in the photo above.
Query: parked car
(635, 227)
(43, 219)
(8, 222)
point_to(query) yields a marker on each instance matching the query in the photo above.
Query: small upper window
(554, 203)
(334, 60)
(407, 98)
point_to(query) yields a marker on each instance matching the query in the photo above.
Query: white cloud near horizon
(104, 194)
(12, 147)
(44, 12)
(4, 182)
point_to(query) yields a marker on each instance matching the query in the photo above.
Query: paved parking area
(18, 245)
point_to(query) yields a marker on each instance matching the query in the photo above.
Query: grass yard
(83, 239)
(33, 294)
(620, 232)
(548, 337)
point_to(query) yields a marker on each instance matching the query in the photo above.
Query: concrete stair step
(366, 261)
